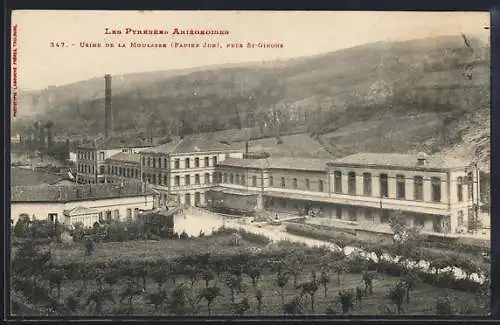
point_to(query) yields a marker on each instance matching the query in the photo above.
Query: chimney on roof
(421, 158)
(108, 108)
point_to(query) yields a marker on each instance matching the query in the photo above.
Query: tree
(258, 297)
(281, 281)
(99, 298)
(444, 306)
(178, 300)
(160, 276)
(310, 288)
(294, 307)
(397, 295)
(368, 280)
(339, 267)
(241, 308)
(324, 279)
(209, 294)
(132, 290)
(89, 247)
(157, 299)
(22, 225)
(233, 282)
(254, 273)
(346, 298)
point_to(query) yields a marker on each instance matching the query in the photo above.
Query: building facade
(91, 159)
(184, 170)
(431, 192)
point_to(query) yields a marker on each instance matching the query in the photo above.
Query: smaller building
(82, 203)
(86, 216)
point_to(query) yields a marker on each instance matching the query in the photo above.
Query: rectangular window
(144, 161)
(243, 180)
(129, 214)
(368, 214)
(254, 181)
(117, 214)
(165, 163)
(186, 163)
(460, 218)
(237, 178)
(436, 189)
(351, 183)
(177, 164)
(352, 214)
(418, 188)
(154, 179)
(187, 180)
(159, 179)
(367, 184)
(400, 187)
(283, 184)
(207, 178)
(337, 181)
(154, 162)
(385, 217)
(271, 181)
(321, 186)
(165, 180)
(225, 177)
(214, 160)
(294, 183)
(52, 217)
(197, 179)
(470, 180)
(207, 162)
(308, 184)
(231, 178)
(196, 162)
(384, 188)
(159, 162)
(215, 178)
(149, 162)
(101, 154)
(338, 213)
(177, 180)
(460, 190)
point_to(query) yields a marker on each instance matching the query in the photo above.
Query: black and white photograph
(249, 163)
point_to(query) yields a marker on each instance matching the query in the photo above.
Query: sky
(301, 34)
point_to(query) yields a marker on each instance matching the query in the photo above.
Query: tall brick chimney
(108, 108)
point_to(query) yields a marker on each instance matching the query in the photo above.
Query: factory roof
(401, 161)
(126, 157)
(27, 177)
(191, 144)
(295, 163)
(61, 194)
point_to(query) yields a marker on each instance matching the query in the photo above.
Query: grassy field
(146, 250)
(423, 300)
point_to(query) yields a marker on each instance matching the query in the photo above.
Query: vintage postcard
(203, 163)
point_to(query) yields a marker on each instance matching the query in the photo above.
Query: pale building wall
(42, 210)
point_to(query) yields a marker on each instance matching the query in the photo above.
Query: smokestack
(108, 108)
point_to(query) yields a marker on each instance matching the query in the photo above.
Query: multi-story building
(123, 166)
(91, 158)
(185, 169)
(86, 203)
(433, 192)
